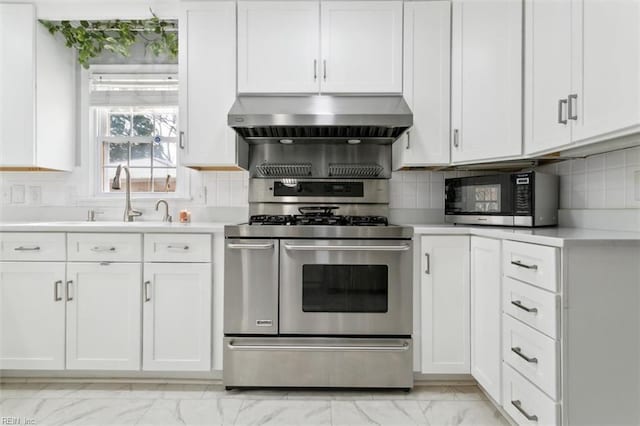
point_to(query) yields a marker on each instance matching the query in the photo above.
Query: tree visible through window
(143, 138)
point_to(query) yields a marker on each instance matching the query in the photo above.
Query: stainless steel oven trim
(329, 346)
(329, 247)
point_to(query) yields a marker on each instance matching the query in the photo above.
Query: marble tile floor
(171, 404)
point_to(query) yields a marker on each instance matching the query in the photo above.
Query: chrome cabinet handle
(428, 270)
(315, 70)
(403, 347)
(102, 249)
(561, 102)
(518, 406)
(181, 140)
(56, 291)
(307, 247)
(456, 140)
(178, 247)
(265, 246)
(519, 304)
(23, 248)
(408, 140)
(570, 112)
(69, 288)
(324, 70)
(523, 265)
(147, 293)
(518, 352)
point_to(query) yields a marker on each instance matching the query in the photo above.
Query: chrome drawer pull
(171, 247)
(250, 246)
(523, 265)
(561, 103)
(23, 248)
(518, 352)
(313, 247)
(102, 249)
(518, 406)
(403, 347)
(570, 114)
(519, 304)
(56, 291)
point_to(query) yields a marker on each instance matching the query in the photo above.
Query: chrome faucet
(167, 217)
(129, 212)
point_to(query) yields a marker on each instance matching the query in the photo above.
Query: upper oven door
(346, 287)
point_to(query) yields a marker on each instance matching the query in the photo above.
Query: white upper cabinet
(207, 83)
(427, 47)
(278, 46)
(606, 68)
(361, 46)
(486, 86)
(37, 94)
(547, 74)
(582, 72)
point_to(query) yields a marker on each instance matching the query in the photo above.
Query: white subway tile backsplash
(614, 159)
(595, 162)
(595, 180)
(614, 178)
(423, 195)
(595, 199)
(632, 156)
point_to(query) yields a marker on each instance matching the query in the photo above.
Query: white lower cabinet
(103, 316)
(486, 358)
(32, 315)
(445, 304)
(525, 403)
(177, 316)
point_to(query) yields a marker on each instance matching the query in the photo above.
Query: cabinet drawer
(525, 403)
(32, 246)
(531, 305)
(532, 354)
(177, 248)
(104, 247)
(531, 263)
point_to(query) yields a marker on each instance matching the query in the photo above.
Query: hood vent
(353, 119)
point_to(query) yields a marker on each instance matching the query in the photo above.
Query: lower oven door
(346, 287)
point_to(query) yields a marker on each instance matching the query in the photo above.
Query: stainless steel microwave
(527, 199)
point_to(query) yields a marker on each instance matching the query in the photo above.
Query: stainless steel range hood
(354, 119)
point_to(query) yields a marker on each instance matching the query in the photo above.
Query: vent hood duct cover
(372, 119)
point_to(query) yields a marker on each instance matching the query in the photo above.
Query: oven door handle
(256, 246)
(403, 347)
(317, 247)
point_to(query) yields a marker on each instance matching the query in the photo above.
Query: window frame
(89, 128)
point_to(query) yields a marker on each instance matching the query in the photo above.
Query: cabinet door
(486, 328)
(17, 85)
(278, 46)
(361, 46)
(547, 74)
(486, 86)
(103, 316)
(427, 44)
(32, 315)
(445, 304)
(177, 316)
(207, 83)
(606, 67)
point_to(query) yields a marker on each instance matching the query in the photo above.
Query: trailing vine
(90, 38)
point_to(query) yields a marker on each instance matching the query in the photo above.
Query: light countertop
(553, 236)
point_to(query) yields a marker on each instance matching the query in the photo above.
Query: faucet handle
(91, 215)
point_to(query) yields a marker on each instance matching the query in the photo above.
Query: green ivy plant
(90, 38)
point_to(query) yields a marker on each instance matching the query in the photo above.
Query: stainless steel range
(318, 286)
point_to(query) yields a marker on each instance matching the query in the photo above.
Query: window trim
(89, 116)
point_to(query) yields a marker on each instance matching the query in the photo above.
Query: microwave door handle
(328, 247)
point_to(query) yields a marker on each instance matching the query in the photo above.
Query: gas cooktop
(318, 219)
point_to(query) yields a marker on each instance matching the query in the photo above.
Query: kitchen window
(136, 125)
